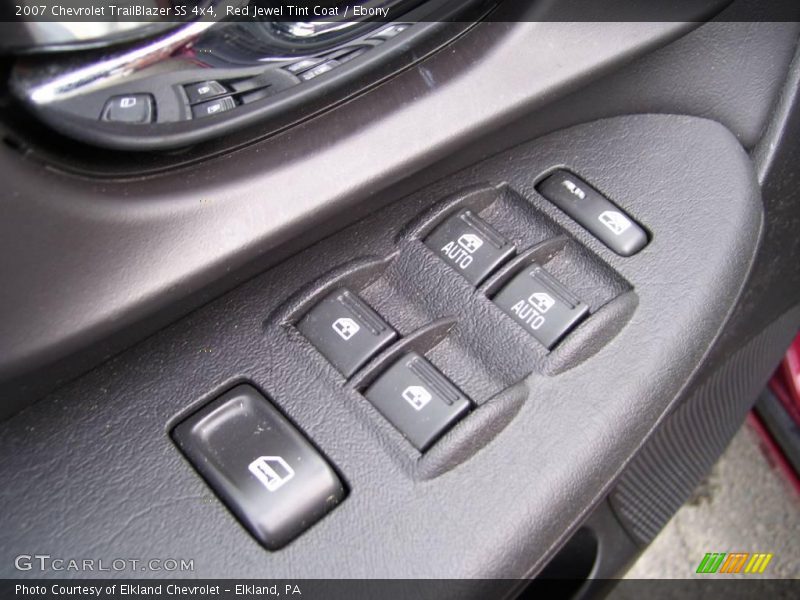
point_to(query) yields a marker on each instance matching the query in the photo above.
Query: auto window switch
(606, 221)
(267, 473)
(471, 246)
(418, 400)
(541, 305)
(346, 331)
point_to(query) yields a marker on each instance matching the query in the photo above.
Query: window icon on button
(470, 242)
(541, 301)
(615, 221)
(272, 471)
(346, 328)
(417, 396)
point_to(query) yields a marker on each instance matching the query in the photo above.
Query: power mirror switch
(264, 469)
(346, 331)
(595, 212)
(418, 400)
(470, 246)
(541, 305)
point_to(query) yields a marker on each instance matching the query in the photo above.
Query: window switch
(304, 65)
(418, 400)
(541, 305)
(346, 331)
(391, 31)
(264, 469)
(470, 246)
(213, 107)
(320, 69)
(205, 90)
(594, 211)
(132, 108)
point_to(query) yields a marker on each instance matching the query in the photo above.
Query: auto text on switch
(470, 246)
(541, 304)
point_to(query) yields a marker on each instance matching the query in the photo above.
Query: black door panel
(560, 447)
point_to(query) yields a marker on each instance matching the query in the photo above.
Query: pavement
(745, 505)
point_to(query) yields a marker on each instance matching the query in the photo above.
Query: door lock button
(470, 246)
(594, 211)
(265, 470)
(541, 305)
(346, 331)
(418, 400)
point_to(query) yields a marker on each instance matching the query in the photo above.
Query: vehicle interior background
(140, 286)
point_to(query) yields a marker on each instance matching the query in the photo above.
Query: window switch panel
(470, 246)
(541, 305)
(418, 400)
(346, 331)
(264, 469)
(606, 221)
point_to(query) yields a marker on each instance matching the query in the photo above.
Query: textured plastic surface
(267, 473)
(158, 243)
(538, 451)
(683, 450)
(560, 446)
